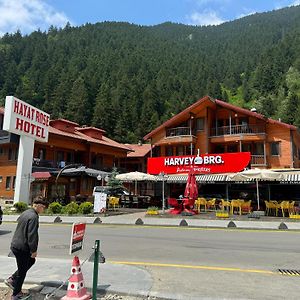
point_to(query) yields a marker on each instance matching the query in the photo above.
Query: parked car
(1, 215)
(111, 191)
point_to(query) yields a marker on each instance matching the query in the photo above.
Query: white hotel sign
(23, 119)
(31, 124)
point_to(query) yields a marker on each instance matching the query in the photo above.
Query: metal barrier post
(95, 275)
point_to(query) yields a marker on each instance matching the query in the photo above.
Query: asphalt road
(219, 263)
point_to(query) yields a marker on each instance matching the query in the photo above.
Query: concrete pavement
(124, 279)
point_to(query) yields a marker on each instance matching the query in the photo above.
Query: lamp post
(163, 176)
(61, 171)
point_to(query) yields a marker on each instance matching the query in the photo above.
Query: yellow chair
(236, 204)
(113, 202)
(285, 206)
(200, 202)
(225, 204)
(246, 206)
(271, 206)
(211, 204)
(292, 210)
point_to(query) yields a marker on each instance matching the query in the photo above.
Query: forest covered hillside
(128, 79)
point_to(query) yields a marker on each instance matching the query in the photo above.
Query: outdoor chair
(225, 204)
(271, 206)
(285, 206)
(211, 204)
(113, 202)
(246, 206)
(236, 204)
(135, 201)
(200, 202)
(292, 210)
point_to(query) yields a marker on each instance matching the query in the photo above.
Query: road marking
(192, 267)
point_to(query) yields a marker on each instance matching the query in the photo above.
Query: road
(217, 263)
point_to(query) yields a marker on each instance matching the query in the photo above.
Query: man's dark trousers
(24, 263)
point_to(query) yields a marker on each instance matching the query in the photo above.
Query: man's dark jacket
(26, 237)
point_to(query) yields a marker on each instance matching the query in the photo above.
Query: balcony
(178, 131)
(238, 130)
(178, 135)
(258, 160)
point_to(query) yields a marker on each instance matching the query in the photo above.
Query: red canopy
(191, 189)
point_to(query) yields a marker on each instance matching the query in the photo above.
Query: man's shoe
(21, 296)
(9, 282)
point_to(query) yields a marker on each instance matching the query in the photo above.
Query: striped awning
(291, 178)
(209, 178)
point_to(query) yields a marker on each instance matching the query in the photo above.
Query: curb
(200, 223)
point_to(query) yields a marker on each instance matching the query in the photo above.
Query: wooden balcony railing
(258, 160)
(238, 129)
(178, 131)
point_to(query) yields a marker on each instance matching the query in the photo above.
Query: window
(275, 149)
(169, 151)
(8, 181)
(258, 149)
(42, 154)
(180, 150)
(200, 124)
(14, 182)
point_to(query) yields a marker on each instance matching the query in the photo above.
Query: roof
(191, 109)
(138, 150)
(41, 175)
(77, 134)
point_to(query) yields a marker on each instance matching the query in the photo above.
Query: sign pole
(95, 275)
(24, 166)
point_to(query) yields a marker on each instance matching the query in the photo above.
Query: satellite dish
(106, 178)
(99, 177)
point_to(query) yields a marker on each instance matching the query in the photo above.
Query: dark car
(1, 215)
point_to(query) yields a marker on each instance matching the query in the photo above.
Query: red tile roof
(138, 150)
(77, 134)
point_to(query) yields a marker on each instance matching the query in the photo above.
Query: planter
(222, 214)
(152, 212)
(294, 217)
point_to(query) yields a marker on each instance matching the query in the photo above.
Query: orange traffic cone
(76, 289)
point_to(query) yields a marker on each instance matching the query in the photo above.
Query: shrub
(85, 208)
(20, 206)
(71, 208)
(55, 208)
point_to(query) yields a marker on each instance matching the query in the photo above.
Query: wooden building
(68, 144)
(214, 126)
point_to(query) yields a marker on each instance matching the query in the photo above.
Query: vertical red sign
(77, 235)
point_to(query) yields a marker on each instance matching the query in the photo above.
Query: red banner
(202, 164)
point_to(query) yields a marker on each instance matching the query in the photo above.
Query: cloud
(28, 15)
(208, 17)
(296, 2)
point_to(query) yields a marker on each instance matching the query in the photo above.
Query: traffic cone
(76, 288)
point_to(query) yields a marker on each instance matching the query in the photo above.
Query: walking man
(24, 246)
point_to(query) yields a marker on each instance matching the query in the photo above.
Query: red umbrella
(191, 190)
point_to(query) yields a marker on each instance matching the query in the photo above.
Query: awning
(292, 178)
(208, 178)
(40, 176)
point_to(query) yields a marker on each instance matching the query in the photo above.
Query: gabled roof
(138, 150)
(214, 102)
(79, 135)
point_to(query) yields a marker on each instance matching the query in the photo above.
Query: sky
(31, 15)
